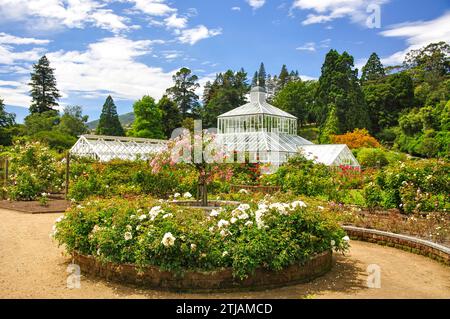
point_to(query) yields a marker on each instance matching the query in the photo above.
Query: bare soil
(34, 207)
(33, 266)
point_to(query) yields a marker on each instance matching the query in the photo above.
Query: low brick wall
(220, 280)
(408, 243)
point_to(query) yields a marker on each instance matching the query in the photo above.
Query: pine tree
(171, 117)
(262, 76)
(283, 78)
(183, 91)
(44, 92)
(339, 86)
(255, 79)
(109, 123)
(373, 70)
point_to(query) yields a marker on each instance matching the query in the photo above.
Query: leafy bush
(34, 170)
(356, 139)
(149, 232)
(401, 183)
(372, 157)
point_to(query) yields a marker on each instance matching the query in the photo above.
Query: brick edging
(220, 280)
(412, 244)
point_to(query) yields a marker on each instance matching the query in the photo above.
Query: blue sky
(128, 48)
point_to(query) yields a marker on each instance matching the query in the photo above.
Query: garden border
(404, 242)
(209, 281)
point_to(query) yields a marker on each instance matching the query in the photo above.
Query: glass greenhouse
(269, 135)
(106, 148)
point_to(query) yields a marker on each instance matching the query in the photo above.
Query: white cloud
(54, 14)
(313, 46)
(308, 46)
(15, 92)
(417, 34)
(198, 33)
(307, 77)
(256, 4)
(153, 7)
(236, 8)
(329, 10)
(108, 66)
(11, 39)
(176, 22)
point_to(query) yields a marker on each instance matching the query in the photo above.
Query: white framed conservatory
(269, 135)
(105, 148)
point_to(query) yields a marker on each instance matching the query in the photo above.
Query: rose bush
(34, 170)
(145, 231)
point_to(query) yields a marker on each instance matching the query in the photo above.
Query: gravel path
(32, 266)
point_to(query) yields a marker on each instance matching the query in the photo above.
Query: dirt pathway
(32, 266)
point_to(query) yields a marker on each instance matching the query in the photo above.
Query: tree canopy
(109, 123)
(44, 93)
(148, 119)
(183, 90)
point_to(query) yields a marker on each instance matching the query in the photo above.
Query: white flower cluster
(168, 240)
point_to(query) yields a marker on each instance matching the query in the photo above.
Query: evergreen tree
(226, 92)
(171, 117)
(255, 79)
(6, 119)
(339, 86)
(373, 70)
(283, 78)
(109, 123)
(73, 122)
(262, 76)
(183, 91)
(7, 122)
(44, 92)
(148, 119)
(331, 126)
(297, 98)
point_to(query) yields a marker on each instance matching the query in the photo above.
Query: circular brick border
(412, 244)
(220, 280)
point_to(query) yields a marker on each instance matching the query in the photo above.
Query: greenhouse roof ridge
(121, 138)
(257, 105)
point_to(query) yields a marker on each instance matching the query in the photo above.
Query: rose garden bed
(162, 245)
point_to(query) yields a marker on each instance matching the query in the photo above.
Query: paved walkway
(32, 266)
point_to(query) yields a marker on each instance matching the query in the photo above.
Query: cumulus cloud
(197, 33)
(110, 65)
(256, 4)
(329, 10)
(15, 92)
(11, 39)
(176, 22)
(153, 7)
(53, 14)
(417, 34)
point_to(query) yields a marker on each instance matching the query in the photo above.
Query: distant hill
(125, 119)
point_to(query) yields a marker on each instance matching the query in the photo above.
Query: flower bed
(154, 233)
(222, 279)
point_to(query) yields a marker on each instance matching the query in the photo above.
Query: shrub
(372, 195)
(34, 170)
(372, 157)
(356, 139)
(147, 232)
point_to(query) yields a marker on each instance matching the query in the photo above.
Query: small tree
(148, 122)
(109, 123)
(44, 93)
(183, 91)
(202, 153)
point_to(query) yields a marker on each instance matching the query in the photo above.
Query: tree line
(406, 106)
